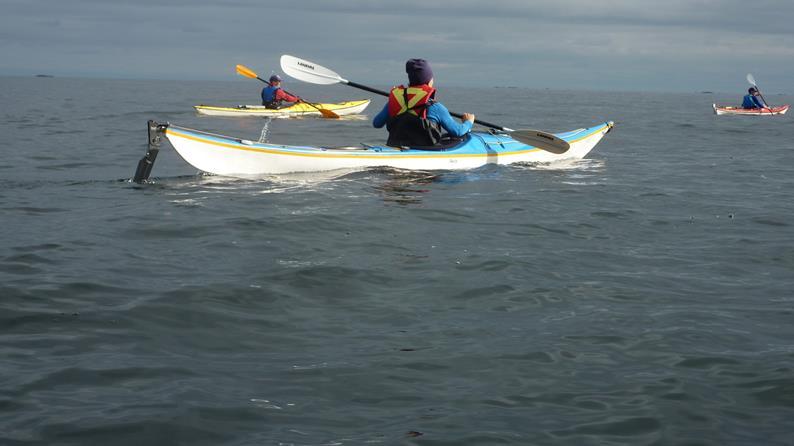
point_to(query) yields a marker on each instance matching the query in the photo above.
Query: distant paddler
(273, 96)
(753, 99)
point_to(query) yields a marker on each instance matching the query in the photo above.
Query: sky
(631, 45)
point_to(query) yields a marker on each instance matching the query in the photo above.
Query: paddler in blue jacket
(273, 96)
(753, 99)
(413, 117)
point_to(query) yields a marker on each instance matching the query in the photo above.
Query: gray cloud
(610, 44)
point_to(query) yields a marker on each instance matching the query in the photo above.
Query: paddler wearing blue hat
(273, 96)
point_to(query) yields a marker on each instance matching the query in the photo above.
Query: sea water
(642, 296)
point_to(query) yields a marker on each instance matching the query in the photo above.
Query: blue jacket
(435, 112)
(751, 101)
(269, 94)
(276, 95)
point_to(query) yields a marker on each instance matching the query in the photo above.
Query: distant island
(707, 92)
(44, 75)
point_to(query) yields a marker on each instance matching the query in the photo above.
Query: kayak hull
(224, 155)
(299, 109)
(727, 110)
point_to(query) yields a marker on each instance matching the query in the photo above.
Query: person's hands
(468, 117)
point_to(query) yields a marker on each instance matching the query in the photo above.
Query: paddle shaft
(311, 72)
(763, 99)
(457, 115)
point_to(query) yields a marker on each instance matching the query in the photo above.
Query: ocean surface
(642, 296)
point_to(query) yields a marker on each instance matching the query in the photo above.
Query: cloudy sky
(670, 45)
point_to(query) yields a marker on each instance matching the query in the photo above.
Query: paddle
(316, 74)
(247, 72)
(751, 80)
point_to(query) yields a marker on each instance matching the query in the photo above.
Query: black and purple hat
(419, 71)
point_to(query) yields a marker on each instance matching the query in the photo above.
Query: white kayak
(225, 155)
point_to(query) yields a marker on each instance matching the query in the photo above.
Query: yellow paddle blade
(328, 113)
(323, 112)
(245, 71)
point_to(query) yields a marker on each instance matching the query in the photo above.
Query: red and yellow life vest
(412, 100)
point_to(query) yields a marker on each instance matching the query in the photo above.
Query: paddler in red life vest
(273, 96)
(413, 117)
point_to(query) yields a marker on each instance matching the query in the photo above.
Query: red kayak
(727, 110)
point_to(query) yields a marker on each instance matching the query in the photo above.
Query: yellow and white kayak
(298, 109)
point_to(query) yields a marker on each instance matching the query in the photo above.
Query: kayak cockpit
(447, 142)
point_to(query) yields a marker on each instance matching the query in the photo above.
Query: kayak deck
(298, 109)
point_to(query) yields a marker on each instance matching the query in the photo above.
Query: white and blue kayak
(228, 156)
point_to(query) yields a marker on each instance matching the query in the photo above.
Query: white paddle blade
(751, 80)
(310, 72)
(541, 140)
